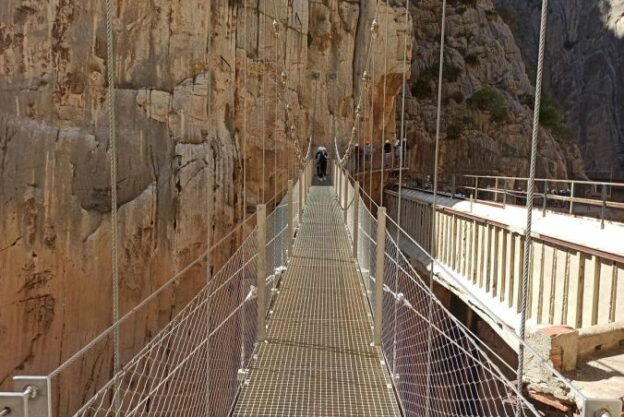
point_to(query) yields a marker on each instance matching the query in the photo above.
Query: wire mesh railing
(185, 348)
(439, 366)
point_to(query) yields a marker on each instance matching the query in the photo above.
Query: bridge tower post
(261, 271)
(300, 198)
(356, 220)
(379, 274)
(291, 217)
(345, 194)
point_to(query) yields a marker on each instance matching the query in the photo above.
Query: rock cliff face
(196, 97)
(487, 98)
(584, 70)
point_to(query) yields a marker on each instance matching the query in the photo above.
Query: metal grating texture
(317, 360)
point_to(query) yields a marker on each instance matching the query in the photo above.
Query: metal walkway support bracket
(356, 220)
(598, 407)
(261, 271)
(291, 218)
(379, 274)
(30, 399)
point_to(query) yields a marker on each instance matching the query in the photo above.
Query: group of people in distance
(362, 154)
(391, 153)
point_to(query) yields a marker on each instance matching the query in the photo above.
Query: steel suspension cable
(436, 161)
(529, 201)
(383, 117)
(402, 130)
(244, 140)
(263, 93)
(110, 52)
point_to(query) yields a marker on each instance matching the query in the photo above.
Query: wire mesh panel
(276, 245)
(191, 366)
(367, 248)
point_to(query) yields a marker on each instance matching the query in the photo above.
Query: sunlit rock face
(584, 71)
(197, 98)
(486, 119)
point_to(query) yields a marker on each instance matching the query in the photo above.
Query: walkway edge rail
(588, 406)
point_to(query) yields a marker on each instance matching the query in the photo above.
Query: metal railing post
(545, 201)
(572, 197)
(261, 271)
(291, 218)
(379, 275)
(496, 190)
(504, 193)
(604, 206)
(356, 218)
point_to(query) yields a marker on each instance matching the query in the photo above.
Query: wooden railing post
(572, 198)
(291, 218)
(379, 275)
(261, 271)
(356, 221)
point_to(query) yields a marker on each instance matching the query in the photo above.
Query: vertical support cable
(436, 160)
(110, 52)
(208, 202)
(263, 93)
(244, 147)
(383, 117)
(529, 202)
(398, 231)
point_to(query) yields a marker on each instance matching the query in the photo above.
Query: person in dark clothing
(323, 165)
(321, 162)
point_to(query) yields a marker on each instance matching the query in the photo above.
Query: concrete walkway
(318, 360)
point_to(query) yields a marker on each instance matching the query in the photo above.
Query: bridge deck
(318, 360)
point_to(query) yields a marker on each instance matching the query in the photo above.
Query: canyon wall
(199, 96)
(487, 99)
(584, 69)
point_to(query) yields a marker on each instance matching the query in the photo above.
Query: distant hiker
(321, 162)
(387, 153)
(317, 158)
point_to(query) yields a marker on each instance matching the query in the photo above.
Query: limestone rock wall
(584, 69)
(488, 137)
(197, 100)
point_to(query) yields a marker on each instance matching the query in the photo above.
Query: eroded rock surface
(584, 69)
(196, 100)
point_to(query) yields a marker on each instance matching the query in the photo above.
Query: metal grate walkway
(317, 360)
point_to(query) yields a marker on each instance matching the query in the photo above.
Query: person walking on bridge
(321, 163)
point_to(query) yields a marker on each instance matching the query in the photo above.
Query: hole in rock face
(598, 348)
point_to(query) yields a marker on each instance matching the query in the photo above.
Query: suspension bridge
(318, 311)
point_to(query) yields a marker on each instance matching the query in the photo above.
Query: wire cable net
(190, 367)
(465, 380)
